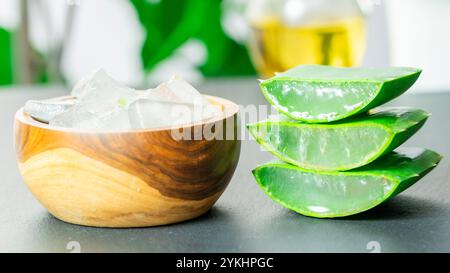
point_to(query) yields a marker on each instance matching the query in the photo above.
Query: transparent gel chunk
(103, 105)
(173, 103)
(146, 113)
(99, 92)
(46, 110)
(176, 90)
(80, 118)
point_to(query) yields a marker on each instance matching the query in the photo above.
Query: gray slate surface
(244, 219)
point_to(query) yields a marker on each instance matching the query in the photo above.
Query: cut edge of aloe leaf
(311, 213)
(426, 161)
(305, 166)
(283, 110)
(372, 101)
(392, 137)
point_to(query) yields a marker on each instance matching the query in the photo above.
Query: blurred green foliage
(170, 23)
(20, 68)
(6, 57)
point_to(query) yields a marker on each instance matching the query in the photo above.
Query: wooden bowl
(134, 178)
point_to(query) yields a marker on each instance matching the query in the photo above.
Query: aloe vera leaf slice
(341, 145)
(339, 194)
(317, 93)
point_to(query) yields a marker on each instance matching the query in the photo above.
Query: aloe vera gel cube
(341, 145)
(338, 194)
(316, 93)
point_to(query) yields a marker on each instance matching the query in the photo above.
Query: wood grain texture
(126, 179)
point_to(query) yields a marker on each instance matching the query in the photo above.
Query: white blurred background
(107, 33)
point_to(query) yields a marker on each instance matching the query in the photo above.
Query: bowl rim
(229, 109)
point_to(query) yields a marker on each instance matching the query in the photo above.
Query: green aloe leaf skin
(340, 194)
(319, 94)
(341, 145)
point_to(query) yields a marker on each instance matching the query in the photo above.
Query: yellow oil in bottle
(275, 47)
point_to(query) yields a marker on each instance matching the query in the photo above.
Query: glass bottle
(287, 33)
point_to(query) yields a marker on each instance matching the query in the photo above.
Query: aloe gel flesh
(341, 145)
(338, 194)
(317, 93)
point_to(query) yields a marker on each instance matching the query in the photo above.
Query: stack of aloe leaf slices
(338, 160)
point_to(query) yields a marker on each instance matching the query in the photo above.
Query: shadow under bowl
(134, 178)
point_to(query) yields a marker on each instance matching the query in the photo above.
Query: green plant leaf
(6, 57)
(339, 194)
(341, 145)
(169, 24)
(318, 94)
